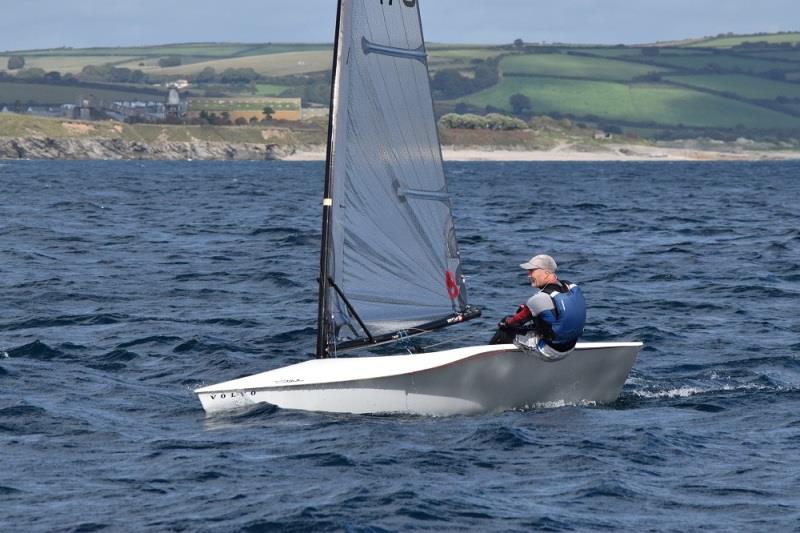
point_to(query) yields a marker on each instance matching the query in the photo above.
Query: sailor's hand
(503, 324)
(520, 308)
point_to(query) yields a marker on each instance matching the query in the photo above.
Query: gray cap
(545, 262)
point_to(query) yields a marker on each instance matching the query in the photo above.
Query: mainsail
(390, 263)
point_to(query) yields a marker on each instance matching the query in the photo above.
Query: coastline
(48, 148)
(568, 152)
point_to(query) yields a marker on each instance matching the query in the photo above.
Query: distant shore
(46, 148)
(566, 152)
(28, 137)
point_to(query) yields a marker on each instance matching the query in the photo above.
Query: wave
(155, 339)
(688, 391)
(66, 320)
(208, 346)
(113, 361)
(502, 436)
(37, 350)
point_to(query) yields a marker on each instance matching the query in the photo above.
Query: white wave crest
(686, 391)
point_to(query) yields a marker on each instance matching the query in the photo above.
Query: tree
(520, 104)
(31, 74)
(16, 62)
(206, 75)
(239, 75)
(169, 61)
(268, 112)
(52, 77)
(519, 43)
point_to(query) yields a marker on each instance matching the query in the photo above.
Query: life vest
(570, 311)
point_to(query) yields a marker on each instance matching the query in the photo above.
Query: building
(176, 107)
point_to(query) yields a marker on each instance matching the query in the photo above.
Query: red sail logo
(452, 286)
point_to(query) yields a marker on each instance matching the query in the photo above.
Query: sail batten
(391, 255)
(370, 47)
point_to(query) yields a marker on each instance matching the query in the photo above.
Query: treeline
(492, 121)
(224, 119)
(454, 83)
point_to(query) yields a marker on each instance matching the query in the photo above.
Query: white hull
(469, 380)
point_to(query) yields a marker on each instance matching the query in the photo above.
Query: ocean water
(124, 285)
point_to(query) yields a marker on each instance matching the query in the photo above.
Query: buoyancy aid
(570, 315)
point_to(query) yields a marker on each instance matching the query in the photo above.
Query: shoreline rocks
(120, 149)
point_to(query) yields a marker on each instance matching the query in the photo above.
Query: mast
(327, 203)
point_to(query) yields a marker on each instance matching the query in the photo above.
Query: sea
(125, 285)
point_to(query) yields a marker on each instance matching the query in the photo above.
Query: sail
(391, 257)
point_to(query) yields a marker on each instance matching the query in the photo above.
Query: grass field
(198, 49)
(574, 66)
(743, 85)
(63, 94)
(728, 42)
(636, 53)
(243, 104)
(270, 65)
(600, 87)
(458, 58)
(69, 60)
(747, 64)
(664, 105)
(265, 89)
(12, 125)
(792, 55)
(464, 54)
(66, 64)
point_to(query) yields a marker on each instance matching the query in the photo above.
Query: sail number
(408, 3)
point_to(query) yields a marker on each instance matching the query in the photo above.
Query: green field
(63, 94)
(573, 66)
(217, 55)
(743, 85)
(729, 62)
(242, 104)
(459, 58)
(284, 48)
(265, 89)
(464, 54)
(660, 104)
(283, 64)
(728, 42)
(12, 125)
(195, 49)
(785, 55)
(636, 53)
(66, 64)
(594, 83)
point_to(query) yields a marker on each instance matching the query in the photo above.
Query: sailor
(552, 320)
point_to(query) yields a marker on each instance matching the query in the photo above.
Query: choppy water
(124, 285)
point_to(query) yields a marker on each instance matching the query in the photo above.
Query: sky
(31, 24)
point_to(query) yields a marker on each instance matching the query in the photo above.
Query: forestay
(390, 261)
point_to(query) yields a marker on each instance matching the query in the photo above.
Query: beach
(570, 152)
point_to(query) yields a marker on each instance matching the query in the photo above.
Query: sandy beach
(567, 152)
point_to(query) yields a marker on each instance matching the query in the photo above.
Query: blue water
(126, 284)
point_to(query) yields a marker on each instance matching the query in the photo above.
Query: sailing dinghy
(389, 264)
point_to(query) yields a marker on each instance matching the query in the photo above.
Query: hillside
(722, 87)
